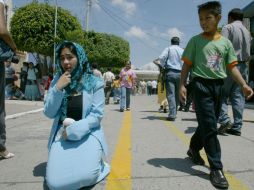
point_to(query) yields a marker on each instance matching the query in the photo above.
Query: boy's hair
(236, 14)
(213, 7)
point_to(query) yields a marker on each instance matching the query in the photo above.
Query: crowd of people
(27, 84)
(78, 91)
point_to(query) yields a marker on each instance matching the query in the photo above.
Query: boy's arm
(184, 74)
(248, 92)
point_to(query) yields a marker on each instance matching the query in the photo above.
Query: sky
(147, 25)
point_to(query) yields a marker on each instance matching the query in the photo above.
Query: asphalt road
(145, 151)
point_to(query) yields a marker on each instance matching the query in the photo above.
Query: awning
(248, 11)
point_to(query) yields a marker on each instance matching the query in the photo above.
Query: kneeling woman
(76, 149)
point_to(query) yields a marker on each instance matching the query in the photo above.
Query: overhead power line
(130, 25)
(117, 19)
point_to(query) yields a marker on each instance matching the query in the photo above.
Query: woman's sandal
(6, 156)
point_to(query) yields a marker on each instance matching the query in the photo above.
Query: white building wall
(9, 11)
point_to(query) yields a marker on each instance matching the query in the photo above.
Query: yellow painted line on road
(234, 183)
(120, 175)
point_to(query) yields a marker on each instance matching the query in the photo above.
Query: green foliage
(106, 49)
(32, 28)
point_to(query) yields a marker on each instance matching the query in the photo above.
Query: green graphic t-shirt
(209, 57)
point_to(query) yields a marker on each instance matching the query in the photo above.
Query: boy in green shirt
(209, 54)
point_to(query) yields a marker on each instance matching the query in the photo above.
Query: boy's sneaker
(195, 157)
(224, 127)
(218, 179)
(121, 110)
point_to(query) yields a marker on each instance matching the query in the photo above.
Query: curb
(25, 102)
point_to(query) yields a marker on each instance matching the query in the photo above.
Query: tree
(32, 28)
(106, 49)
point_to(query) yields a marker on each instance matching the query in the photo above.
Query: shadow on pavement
(40, 170)
(189, 119)
(150, 111)
(154, 118)
(178, 164)
(249, 121)
(190, 130)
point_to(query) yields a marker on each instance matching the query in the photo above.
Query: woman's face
(128, 66)
(68, 60)
(30, 65)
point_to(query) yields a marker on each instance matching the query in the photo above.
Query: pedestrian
(47, 84)
(23, 76)
(162, 100)
(143, 87)
(9, 73)
(127, 80)
(240, 37)
(76, 102)
(9, 80)
(149, 88)
(208, 54)
(96, 71)
(154, 87)
(116, 89)
(108, 81)
(6, 37)
(170, 60)
(186, 105)
(32, 89)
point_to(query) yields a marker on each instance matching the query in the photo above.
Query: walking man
(6, 37)
(170, 59)
(108, 78)
(240, 37)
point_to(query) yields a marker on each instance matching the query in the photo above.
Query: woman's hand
(63, 81)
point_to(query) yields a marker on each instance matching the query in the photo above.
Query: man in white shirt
(108, 78)
(154, 87)
(170, 60)
(6, 37)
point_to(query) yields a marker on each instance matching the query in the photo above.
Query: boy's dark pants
(207, 99)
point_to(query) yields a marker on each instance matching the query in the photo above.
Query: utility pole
(88, 7)
(55, 31)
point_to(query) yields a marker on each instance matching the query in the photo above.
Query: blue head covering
(81, 76)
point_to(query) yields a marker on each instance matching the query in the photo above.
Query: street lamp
(54, 57)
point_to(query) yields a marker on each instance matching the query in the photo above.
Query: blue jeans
(233, 92)
(172, 89)
(116, 94)
(125, 97)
